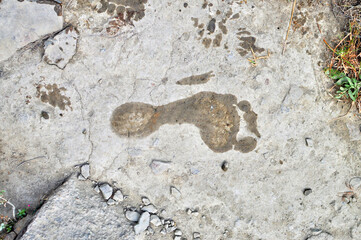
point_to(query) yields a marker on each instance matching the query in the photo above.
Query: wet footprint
(214, 114)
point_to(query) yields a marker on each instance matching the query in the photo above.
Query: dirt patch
(125, 9)
(53, 95)
(214, 114)
(246, 43)
(196, 79)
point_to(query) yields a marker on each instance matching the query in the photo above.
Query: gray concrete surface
(155, 53)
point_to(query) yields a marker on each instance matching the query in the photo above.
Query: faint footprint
(214, 114)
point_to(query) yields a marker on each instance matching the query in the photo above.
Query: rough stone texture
(118, 196)
(85, 170)
(24, 22)
(10, 236)
(138, 58)
(132, 215)
(106, 190)
(143, 223)
(158, 166)
(22, 223)
(76, 212)
(61, 48)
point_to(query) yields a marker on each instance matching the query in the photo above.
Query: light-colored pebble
(111, 202)
(355, 183)
(106, 190)
(309, 142)
(158, 166)
(145, 201)
(177, 238)
(171, 229)
(189, 211)
(175, 192)
(132, 216)
(81, 177)
(195, 213)
(154, 219)
(178, 232)
(118, 196)
(143, 223)
(96, 189)
(149, 231)
(149, 208)
(196, 235)
(85, 170)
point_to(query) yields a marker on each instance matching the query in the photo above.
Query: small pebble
(309, 142)
(195, 213)
(81, 177)
(225, 166)
(149, 208)
(178, 232)
(163, 231)
(163, 212)
(158, 166)
(355, 183)
(145, 201)
(189, 211)
(85, 171)
(106, 190)
(316, 231)
(132, 216)
(150, 231)
(177, 238)
(142, 224)
(196, 235)
(118, 196)
(170, 229)
(111, 202)
(175, 192)
(307, 191)
(96, 189)
(154, 219)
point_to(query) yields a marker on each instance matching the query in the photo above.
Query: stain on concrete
(52, 95)
(126, 10)
(249, 116)
(217, 40)
(196, 79)
(195, 20)
(214, 114)
(207, 42)
(222, 27)
(212, 30)
(246, 43)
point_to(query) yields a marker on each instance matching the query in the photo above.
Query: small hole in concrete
(307, 191)
(44, 115)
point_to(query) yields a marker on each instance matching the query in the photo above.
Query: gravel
(106, 190)
(143, 223)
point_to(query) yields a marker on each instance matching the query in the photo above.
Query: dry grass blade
(289, 26)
